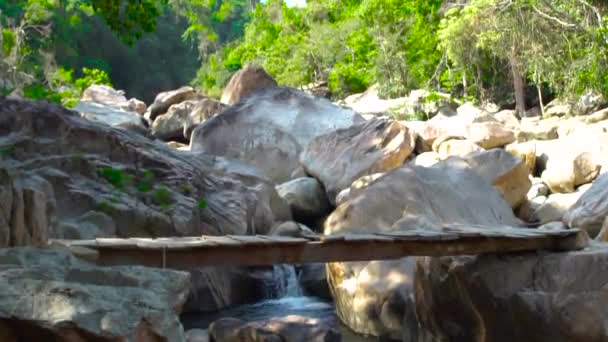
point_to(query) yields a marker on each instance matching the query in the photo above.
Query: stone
(164, 100)
(455, 147)
(489, 135)
(290, 328)
(508, 174)
(426, 159)
(555, 207)
(375, 297)
(526, 151)
(109, 115)
(290, 228)
(306, 198)
(508, 118)
(548, 297)
(197, 335)
(537, 130)
(66, 177)
(591, 209)
(49, 295)
(339, 158)
(171, 125)
(528, 208)
(603, 234)
(598, 116)
(356, 186)
(245, 83)
(566, 171)
(269, 130)
(106, 95)
(558, 108)
(369, 102)
(538, 189)
(203, 110)
(588, 103)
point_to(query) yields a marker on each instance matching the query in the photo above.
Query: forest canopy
(487, 50)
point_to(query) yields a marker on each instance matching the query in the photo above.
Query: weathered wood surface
(188, 252)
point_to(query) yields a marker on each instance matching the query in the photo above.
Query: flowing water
(284, 297)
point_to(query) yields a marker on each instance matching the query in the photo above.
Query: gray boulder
(270, 129)
(306, 197)
(245, 83)
(65, 177)
(376, 297)
(339, 158)
(530, 297)
(49, 295)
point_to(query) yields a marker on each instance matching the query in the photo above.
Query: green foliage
(8, 41)
(162, 195)
(202, 203)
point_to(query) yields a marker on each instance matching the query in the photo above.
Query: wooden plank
(221, 240)
(287, 240)
(250, 239)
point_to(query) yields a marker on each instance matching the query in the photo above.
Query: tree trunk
(519, 84)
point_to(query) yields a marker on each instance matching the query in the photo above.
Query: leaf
(202, 203)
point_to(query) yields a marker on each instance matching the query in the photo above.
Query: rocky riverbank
(275, 160)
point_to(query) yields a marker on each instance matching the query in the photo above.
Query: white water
(284, 283)
(283, 296)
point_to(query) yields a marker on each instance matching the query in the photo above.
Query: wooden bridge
(190, 252)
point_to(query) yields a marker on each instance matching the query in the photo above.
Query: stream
(285, 297)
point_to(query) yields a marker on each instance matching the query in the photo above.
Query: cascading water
(283, 283)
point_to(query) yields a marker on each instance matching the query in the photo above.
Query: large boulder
(376, 297)
(573, 160)
(453, 146)
(508, 173)
(306, 197)
(339, 158)
(171, 125)
(591, 209)
(369, 102)
(65, 177)
(270, 129)
(181, 118)
(107, 95)
(245, 83)
(49, 295)
(285, 329)
(490, 134)
(531, 297)
(164, 100)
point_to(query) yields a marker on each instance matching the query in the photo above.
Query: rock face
(270, 129)
(339, 158)
(48, 295)
(590, 211)
(376, 297)
(547, 297)
(245, 83)
(59, 171)
(164, 100)
(287, 329)
(306, 197)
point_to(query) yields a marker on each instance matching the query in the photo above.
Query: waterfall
(284, 283)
